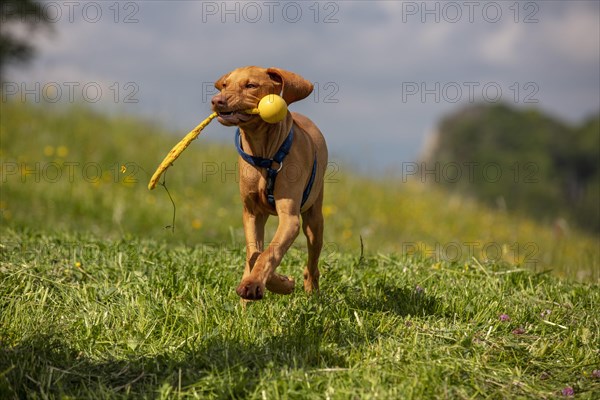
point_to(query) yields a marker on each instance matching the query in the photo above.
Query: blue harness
(268, 163)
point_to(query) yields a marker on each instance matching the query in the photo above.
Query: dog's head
(243, 88)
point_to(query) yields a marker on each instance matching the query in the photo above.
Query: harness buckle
(280, 166)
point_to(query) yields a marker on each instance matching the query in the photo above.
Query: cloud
(575, 35)
(361, 59)
(501, 47)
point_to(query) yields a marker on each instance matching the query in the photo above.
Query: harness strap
(268, 164)
(265, 162)
(310, 182)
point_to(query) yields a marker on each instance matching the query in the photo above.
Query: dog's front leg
(254, 231)
(262, 275)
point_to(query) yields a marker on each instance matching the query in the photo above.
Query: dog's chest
(253, 184)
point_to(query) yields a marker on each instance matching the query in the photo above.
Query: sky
(385, 72)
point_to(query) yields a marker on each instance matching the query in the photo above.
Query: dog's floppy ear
(221, 80)
(294, 87)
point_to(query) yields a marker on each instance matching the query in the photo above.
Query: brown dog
(289, 188)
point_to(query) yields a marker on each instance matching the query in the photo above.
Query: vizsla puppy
(281, 166)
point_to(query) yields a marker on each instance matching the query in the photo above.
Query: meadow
(424, 294)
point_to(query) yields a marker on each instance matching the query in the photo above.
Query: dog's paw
(280, 284)
(250, 290)
(311, 282)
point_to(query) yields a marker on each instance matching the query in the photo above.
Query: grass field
(99, 300)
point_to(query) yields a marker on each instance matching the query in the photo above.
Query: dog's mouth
(233, 117)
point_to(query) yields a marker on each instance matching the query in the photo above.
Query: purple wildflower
(596, 373)
(504, 317)
(419, 289)
(568, 391)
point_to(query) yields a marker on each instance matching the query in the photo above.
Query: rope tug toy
(271, 108)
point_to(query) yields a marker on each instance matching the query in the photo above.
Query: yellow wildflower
(62, 151)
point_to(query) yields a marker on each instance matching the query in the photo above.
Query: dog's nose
(218, 100)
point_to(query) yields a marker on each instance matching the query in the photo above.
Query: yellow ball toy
(272, 108)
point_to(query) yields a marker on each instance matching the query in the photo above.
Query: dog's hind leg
(312, 225)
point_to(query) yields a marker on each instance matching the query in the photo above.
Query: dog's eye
(251, 85)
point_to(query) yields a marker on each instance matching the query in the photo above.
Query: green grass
(99, 300)
(149, 319)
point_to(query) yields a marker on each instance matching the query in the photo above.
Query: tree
(524, 160)
(14, 16)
